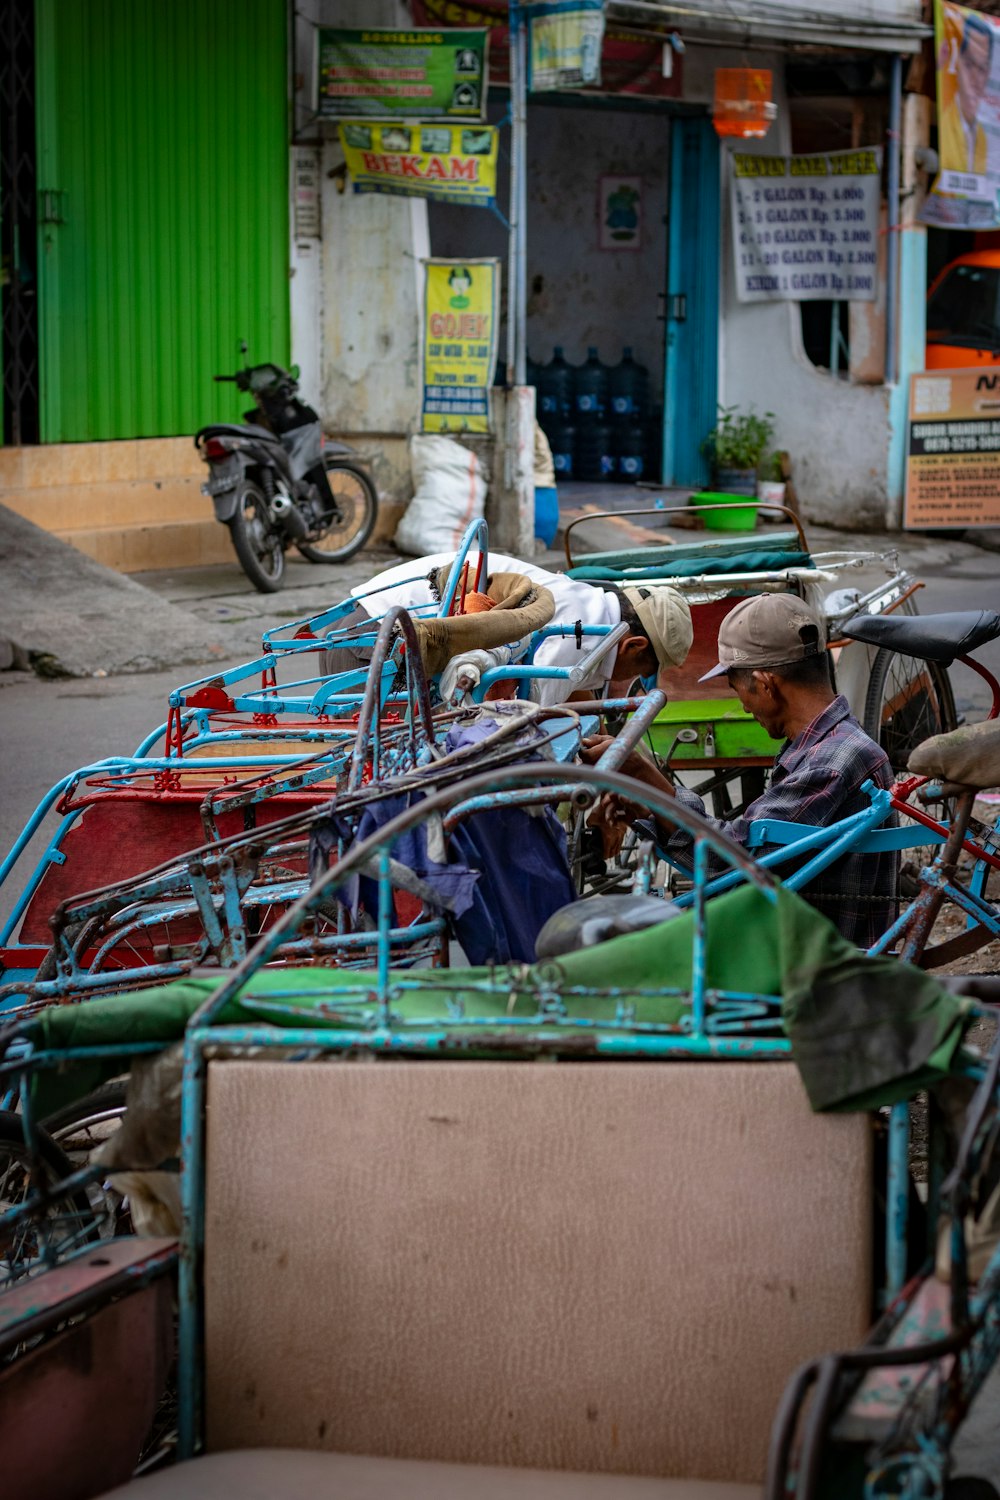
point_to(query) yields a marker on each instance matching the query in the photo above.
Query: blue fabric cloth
(506, 872)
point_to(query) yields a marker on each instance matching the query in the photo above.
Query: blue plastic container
(546, 514)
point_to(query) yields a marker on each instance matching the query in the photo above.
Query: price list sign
(953, 465)
(805, 228)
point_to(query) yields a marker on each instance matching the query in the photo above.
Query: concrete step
(133, 505)
(162, 544)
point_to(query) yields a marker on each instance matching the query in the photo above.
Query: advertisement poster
(422, 75)
(631, 59)
(964, 194)
(953, 462)
(564, 44)
(619, 213)
(461, 327)
(450, 163)
(806, 227)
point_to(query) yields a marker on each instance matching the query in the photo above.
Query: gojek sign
(453, 163)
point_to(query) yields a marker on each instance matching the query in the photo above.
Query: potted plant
(771, 481)
(736, 445)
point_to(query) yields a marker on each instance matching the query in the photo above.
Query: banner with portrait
(965, 193)
(461, 328)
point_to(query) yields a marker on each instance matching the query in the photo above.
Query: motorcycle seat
(937, 638)
(234, 429)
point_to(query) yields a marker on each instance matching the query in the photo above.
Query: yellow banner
(452, 163)
(461, 325)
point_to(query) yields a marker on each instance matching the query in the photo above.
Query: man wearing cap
(659, 623)
(772, 650)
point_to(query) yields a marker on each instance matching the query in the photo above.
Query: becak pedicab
(561, 1228)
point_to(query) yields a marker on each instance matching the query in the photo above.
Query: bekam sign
(806, 227)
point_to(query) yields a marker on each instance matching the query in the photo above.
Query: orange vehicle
(963, 313)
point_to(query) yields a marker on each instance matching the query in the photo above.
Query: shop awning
(863, 24)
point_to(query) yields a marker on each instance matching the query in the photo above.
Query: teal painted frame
(691, 374)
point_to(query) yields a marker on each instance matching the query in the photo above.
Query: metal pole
(892, 272)
(515, 239)
(520, 153)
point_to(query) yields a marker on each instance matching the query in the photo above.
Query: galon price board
(805, 228)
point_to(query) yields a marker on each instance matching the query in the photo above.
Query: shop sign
(966, 192)
(953, 463)
(305, 178)
(461, 327)
(806, 227)
(420, 74)
(564, 44)
(450, 163)
(631, 60)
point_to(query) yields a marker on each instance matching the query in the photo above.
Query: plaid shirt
(817, 780)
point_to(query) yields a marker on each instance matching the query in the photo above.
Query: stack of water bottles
(595, 416)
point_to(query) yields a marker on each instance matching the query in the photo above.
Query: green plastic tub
(743, 519)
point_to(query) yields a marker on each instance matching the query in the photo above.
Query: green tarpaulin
(864, 1031)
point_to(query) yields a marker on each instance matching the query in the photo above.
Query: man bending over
(772, 650)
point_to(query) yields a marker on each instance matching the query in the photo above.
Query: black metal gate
(18, 223)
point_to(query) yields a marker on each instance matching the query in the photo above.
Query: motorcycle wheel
(345, 532)
(258, 546)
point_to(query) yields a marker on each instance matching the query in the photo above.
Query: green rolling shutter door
(163, 213)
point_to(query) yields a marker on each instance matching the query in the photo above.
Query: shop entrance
(598, 202)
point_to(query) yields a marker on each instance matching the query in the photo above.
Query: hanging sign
(632, 60)
(966, 192)
(461, 327)
(450, 163)
(806, 227)
(564, 44)
(953, 463)
(420, 74)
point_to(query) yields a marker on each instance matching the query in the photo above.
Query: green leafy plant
(739, 440)
(771, 468)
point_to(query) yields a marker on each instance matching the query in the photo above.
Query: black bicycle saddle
(937, 638)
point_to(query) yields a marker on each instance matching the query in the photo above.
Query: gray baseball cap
(769, 630)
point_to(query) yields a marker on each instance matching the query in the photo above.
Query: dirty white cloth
(408, 584)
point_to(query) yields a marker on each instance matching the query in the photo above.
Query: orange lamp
(743, 104)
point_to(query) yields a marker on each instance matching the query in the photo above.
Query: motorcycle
(276, 482)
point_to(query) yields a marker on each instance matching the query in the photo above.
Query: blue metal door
(692, 345)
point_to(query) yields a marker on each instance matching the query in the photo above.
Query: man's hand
(635, 764)
(613, 813)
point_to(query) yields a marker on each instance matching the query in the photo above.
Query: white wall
(356, 294)
(836, 433)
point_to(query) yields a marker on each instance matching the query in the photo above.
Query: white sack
(450, 491)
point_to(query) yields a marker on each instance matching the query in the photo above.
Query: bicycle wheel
(63, 1225)
(258, 546)
(344, 531)
(908, 701)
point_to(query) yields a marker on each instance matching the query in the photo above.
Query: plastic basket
(742, 519)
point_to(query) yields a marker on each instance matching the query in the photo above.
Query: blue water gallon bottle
(554, 387)
(562, 440)
(594, 453)
(590, 387)
(630, 451)
(628, 386)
